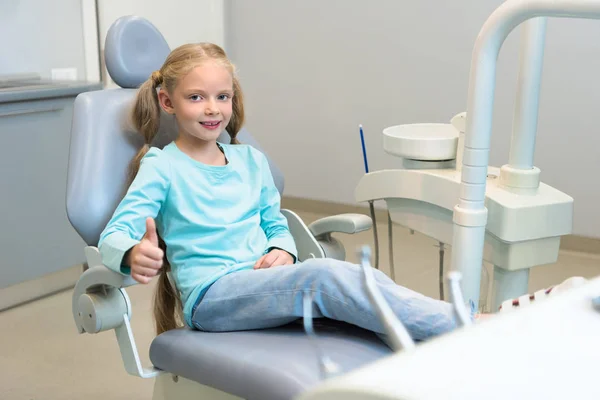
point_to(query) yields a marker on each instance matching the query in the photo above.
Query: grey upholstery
(102, 146)
(271, 364)
(134, 49)
(267, 364)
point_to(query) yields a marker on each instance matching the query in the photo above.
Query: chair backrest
(103, 142)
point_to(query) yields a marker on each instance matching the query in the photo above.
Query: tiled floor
(43, 358)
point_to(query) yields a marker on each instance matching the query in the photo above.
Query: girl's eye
(224, 97)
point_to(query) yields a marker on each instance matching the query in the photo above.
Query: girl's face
(201, 101)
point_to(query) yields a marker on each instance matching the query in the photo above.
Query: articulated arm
(100, 303)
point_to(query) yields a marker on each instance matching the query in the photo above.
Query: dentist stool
(269, 364)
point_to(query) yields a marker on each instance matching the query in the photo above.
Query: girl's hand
(146, 258)
(274, 258)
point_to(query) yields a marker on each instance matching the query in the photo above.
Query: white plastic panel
(547, 350)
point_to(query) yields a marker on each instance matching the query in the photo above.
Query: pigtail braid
(237, 117)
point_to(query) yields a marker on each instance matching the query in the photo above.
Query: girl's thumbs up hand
(146, 258)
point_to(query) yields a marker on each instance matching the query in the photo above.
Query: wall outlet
(64, 74)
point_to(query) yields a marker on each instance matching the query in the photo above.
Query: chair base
(171, 387)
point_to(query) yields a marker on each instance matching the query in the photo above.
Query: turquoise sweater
(215, 220)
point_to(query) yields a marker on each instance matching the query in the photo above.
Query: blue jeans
(265, 298)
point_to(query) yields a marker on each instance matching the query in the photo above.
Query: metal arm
(470, 214)
(327, 367)
(522, 144)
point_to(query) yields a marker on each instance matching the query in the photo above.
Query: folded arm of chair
(100, 303)
(315, 241)
(306, 244)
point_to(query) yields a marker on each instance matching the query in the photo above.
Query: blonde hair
(146, 120)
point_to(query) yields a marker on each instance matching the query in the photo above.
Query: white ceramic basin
(425, 142)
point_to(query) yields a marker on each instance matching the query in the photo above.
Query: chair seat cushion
(278, 363)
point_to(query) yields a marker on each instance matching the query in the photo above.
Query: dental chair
(279, 363)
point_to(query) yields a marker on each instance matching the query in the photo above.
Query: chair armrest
(306, 244)
(343, 223)
(95, 287)
(100, 303)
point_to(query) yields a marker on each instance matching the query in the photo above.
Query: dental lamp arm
(470, 214)
(100, 303)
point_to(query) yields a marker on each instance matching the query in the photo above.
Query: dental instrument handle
(398, 335)
(327, 367)
(456, 298)
(391, 247)
(441, 272)
(364, 148)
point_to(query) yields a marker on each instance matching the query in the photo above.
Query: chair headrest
(134, 48)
